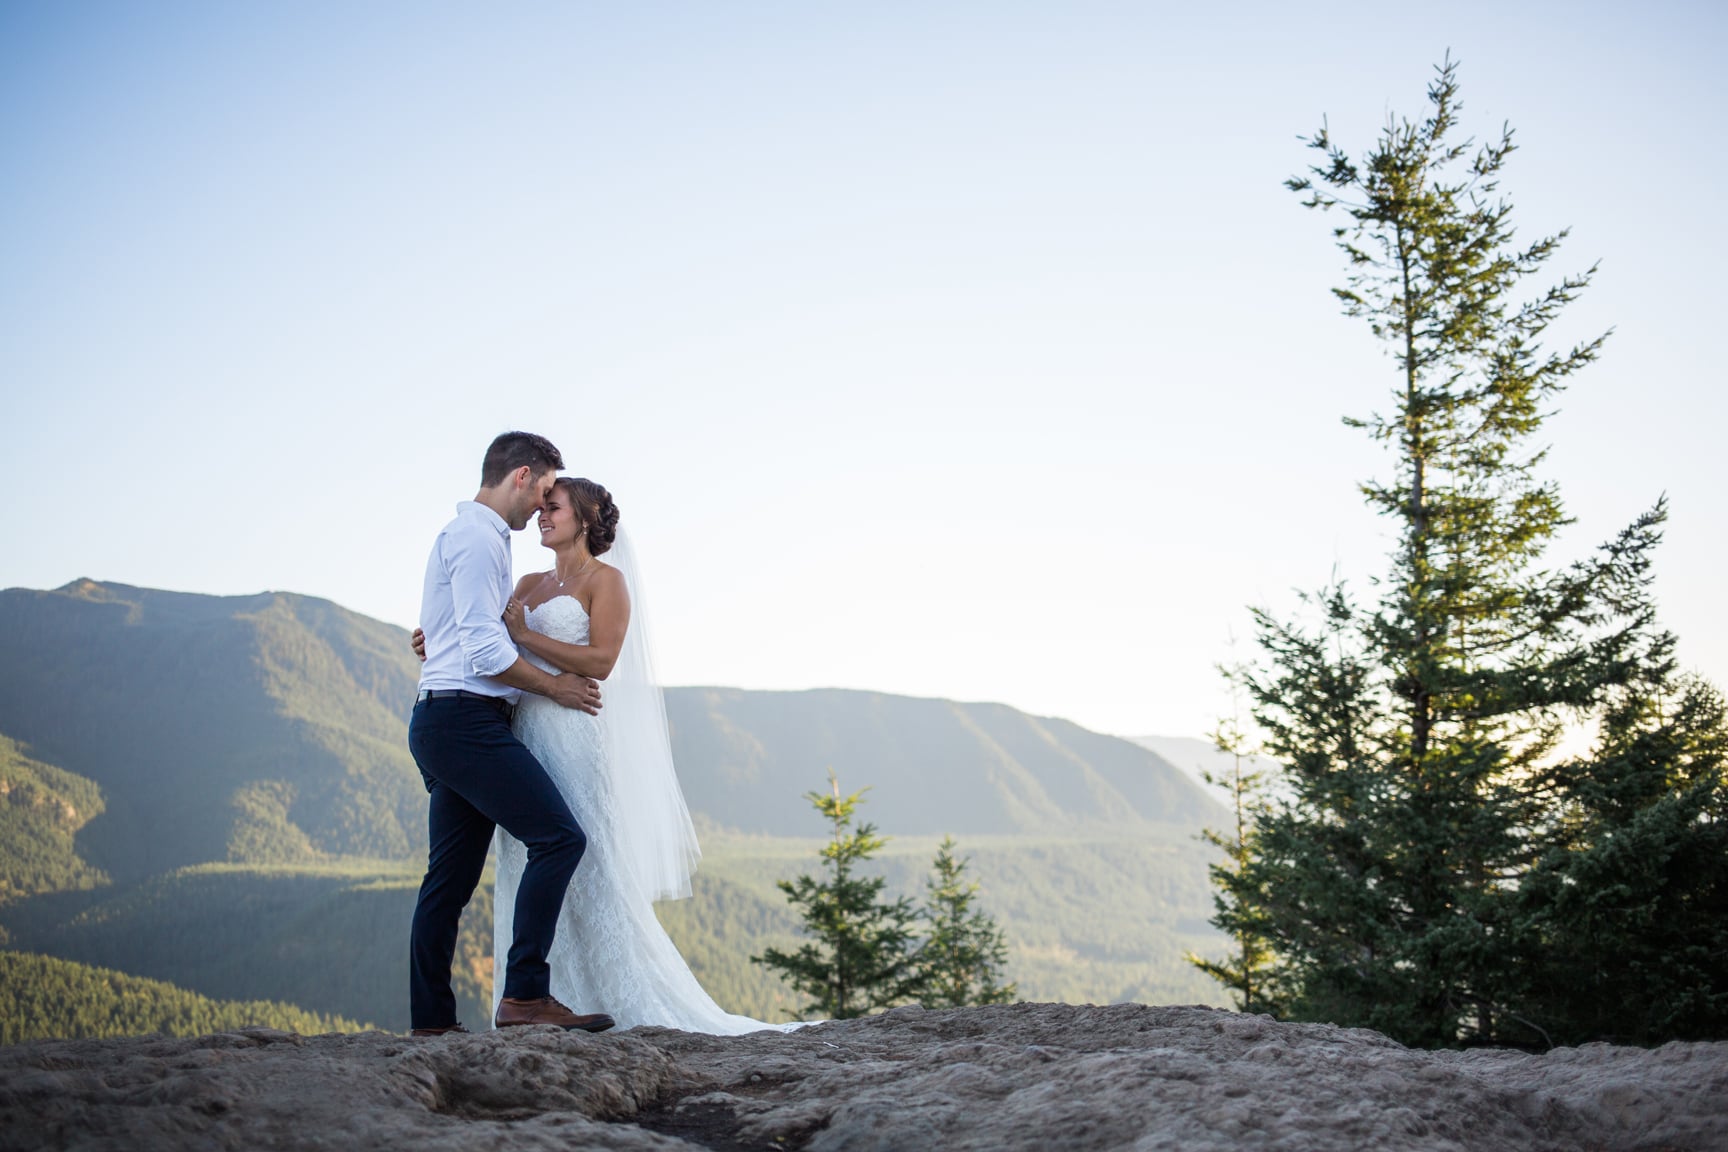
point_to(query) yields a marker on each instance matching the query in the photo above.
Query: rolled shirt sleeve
(474, 559)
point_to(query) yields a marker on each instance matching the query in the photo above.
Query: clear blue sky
(970, 350)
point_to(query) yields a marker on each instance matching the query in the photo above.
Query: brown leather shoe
(514, 1013)
(446, 1031)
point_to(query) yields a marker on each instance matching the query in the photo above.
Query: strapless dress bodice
(561, 618)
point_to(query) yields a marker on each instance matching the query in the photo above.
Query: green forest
(43, 998)
(41, 810)
(332, 937)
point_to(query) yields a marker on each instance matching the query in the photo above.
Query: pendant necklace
(574, 574)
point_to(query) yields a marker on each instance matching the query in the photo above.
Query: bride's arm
(608, 618)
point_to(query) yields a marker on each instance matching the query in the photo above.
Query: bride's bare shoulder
(610, 583)
(525, 587)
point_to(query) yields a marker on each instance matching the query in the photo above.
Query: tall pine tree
(1391, 876)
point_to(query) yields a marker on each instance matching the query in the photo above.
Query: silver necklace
(574, 574)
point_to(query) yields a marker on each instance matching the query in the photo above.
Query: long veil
(657, 847)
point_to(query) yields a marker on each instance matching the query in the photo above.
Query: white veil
(656, 846)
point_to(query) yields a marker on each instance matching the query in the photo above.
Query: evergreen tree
(1249, 970)
(963, 957)
(1631, 897)
(862, 956)
(1418, 735)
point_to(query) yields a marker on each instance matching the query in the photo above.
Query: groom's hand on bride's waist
(578, 692)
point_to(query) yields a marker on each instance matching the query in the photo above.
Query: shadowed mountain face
(935, 766)
(266, 727)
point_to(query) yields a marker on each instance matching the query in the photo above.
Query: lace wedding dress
(610, 954)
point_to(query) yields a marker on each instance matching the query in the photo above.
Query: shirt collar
(475, 508)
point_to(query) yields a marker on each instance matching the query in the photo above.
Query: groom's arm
(577, 692)
(585, 692)
(474, 562)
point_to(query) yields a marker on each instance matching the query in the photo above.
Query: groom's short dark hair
(512, 450)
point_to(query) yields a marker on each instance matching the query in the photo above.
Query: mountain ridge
(272, 727)
(1046, 773)
(176, 703)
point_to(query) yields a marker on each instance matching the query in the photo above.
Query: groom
(479, 775)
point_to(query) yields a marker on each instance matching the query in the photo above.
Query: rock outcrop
(1026, 1076)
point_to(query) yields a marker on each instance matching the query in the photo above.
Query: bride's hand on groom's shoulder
(418, 643)
(516, 619)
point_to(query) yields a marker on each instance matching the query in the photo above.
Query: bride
(615, 771)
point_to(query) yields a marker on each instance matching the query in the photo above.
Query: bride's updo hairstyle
(594, 505)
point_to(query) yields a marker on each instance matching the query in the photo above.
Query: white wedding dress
(610, 953)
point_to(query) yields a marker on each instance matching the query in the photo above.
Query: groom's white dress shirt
(462, 605)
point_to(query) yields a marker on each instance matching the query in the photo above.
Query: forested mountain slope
(257, 728)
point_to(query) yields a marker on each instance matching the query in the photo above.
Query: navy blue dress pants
(480, 776)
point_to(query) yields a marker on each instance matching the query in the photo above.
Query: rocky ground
(1026, 1076)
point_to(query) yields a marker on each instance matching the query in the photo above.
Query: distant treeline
(331, 940)
(1090, 921)
(42, 998)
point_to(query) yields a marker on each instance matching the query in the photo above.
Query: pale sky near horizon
(957, 349)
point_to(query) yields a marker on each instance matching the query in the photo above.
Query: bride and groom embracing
(514, 746)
